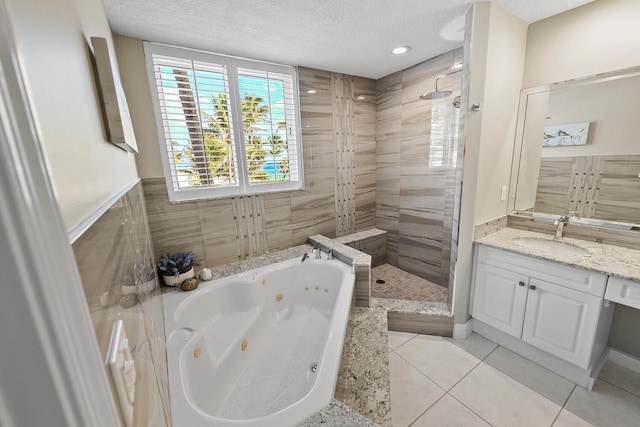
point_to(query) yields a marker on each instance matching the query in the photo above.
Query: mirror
(577, 149)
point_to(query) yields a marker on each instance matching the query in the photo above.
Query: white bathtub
(242, 350)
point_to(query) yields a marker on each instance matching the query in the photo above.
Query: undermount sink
(555, 247)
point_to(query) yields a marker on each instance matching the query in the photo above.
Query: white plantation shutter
(276, 92)
(227, 126)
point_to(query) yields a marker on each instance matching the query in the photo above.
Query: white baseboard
(623, 359)
(461, 331)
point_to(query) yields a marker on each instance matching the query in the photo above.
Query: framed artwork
(568, 134)
(115, 111)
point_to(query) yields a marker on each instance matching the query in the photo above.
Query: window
(227, 126)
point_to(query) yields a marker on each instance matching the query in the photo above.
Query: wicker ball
(190, 284)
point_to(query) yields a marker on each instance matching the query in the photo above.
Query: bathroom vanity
(552, 302)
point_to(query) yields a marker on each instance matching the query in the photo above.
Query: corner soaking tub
(260, 348)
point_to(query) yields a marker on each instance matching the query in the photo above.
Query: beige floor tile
(448, 412)
(622, 377)
(606, 405)
(411, 392)
(569, 419)
(475, 344)
(502, 401)
(550, 385)
(396, 339)
(440, 360)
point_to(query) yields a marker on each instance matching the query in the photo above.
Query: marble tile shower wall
(338, 138)
(116, 263)
(416, 157)
(604, 187)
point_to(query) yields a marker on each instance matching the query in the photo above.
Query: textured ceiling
(347, 36)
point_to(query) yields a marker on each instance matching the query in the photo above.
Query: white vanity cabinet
(552, 307)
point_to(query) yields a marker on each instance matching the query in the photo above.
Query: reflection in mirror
(599, 180)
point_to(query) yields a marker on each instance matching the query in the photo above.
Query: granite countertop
(617, 261)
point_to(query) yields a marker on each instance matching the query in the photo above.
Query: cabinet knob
(521, 283)
(532, 287)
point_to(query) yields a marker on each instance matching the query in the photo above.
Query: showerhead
(436, 94)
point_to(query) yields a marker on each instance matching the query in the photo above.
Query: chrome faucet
(560, 223)
(318, 252)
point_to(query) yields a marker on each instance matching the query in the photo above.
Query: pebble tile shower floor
(399, 284)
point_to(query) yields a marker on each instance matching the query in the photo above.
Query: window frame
(243, 187)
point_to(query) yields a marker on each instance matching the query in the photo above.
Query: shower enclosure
(419, 165)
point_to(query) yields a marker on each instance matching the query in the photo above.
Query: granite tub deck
(364, 382)
(362, 395)
(616, 261)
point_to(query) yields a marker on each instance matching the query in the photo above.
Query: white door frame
(51, 371)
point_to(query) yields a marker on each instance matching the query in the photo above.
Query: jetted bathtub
(260, 348)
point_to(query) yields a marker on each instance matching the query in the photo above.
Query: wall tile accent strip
(248, 213)
(604, 187)
(343, 125)
(585, 185)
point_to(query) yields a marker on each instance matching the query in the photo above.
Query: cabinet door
(561, 321)
(499, 298)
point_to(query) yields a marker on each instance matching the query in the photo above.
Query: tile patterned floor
(443, 382)
(404, 286)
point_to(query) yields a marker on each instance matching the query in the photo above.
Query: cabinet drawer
(574, 278)
(623, 292)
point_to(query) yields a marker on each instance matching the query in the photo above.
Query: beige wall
(53, 41)
(495, 62)
(600, 36)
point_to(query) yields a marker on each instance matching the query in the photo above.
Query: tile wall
(339, 147)
(416, 157)
(604, 187)
(116, 263)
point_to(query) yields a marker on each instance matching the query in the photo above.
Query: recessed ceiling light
(456, 66)
(400, 50)
(312, 91)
